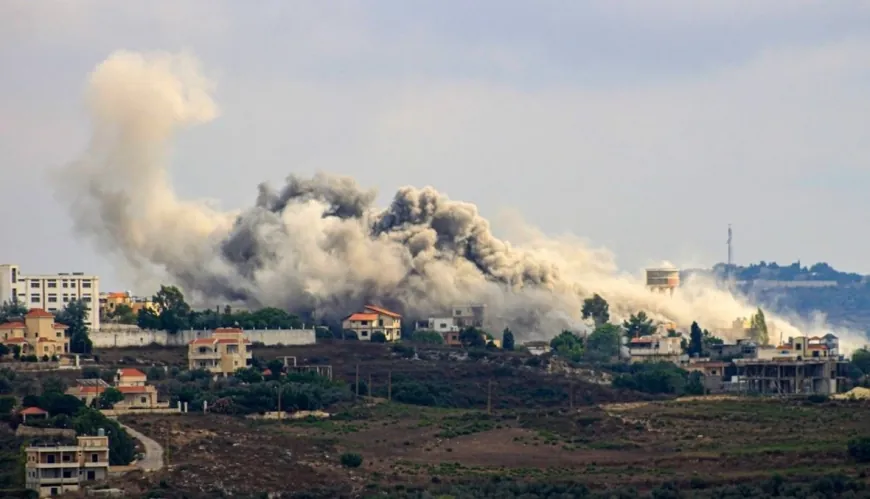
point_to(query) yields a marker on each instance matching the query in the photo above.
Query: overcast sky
(645, 127)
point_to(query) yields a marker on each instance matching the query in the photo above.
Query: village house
(55, 469)
(223, 353)
(537, 347)
(37, 335)
(655, 348)
(712, 372)
(32, 413)
(374, 320)
(132, 383)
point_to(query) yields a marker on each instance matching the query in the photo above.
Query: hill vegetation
(844, 297)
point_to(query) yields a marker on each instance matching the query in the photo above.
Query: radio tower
(730, 255)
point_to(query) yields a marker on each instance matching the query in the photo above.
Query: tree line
(173, 314)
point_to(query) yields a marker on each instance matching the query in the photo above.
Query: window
(49, 459)
(53, 491)
(64, 284)
(91, 475)
(364, 333)
(86, 284)
(34, 298)
(94, 459)
(143, 400)
(86, 299)
(34, 284)
(52, 298)
(458, 312)
(14, 276)
(51, 283)
(364, 323)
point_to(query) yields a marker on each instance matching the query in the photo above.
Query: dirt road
(153, 459)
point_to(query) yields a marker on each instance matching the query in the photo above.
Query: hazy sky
(645, 127)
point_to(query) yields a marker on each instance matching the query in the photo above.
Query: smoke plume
(319, 245)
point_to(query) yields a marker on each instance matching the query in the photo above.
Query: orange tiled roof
(58, 325)
(117, 294)
(202, 341)
(38, 312)
(33, 410)
(130, 372)
(91, 389)
(382, 311)
(12, 325)
(363, 317)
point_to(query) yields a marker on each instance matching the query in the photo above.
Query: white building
(439, 324)
(655, 349)
(51, 292)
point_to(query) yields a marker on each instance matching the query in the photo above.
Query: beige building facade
(223, 353)
(52, 470)
(374, 320)
(37, 335)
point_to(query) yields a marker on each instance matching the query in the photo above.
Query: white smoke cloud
(319, 245)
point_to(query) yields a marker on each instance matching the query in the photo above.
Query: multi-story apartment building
(223, 353)
(38, 335)
(51, 292)
(374, 320)
(655, 348)
(54, 469)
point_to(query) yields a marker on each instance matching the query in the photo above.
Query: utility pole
(489, 397)
(370, 385)
(280, 414)
(357, 380)
(389, 385)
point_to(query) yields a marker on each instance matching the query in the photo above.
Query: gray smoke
(319, 246)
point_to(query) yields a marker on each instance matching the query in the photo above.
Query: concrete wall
(118, 336)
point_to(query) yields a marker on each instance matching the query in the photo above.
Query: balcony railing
(205, 355)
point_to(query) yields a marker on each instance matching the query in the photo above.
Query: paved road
(153, 459)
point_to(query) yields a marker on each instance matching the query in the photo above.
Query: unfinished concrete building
(790, 376)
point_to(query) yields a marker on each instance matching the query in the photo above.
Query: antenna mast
(730, 254)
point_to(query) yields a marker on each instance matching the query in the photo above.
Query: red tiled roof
(14, 340)
(383, 311)
(363, 317)
(202, 341)
(38, 312)
(817, 347)
(12, 325)
(230, 341)
(91, 389)
(133, 389)
(58, 325)
(30, 411)
(130, 372)
(118, 294)
(267, 372)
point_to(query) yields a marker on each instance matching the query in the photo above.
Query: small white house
(537, 347)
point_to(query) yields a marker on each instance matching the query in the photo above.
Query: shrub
(859, 449)
(379, 337)
(351, 460)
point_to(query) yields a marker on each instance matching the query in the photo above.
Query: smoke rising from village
(319, 245)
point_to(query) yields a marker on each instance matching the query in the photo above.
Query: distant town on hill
(844, 297)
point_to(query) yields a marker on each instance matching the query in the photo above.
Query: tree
(507, 339)
(472, 337)
(174, 312)
(378, 337)
(597, 309)
(603, 343)
(124, 314)
(758, 328)
(696, 340)
(110, 397)
(425, 336)
(10, 310)
(639, 325)
(568, 345)
(4, 350)
(148, 319)
(861, 360)
(74, 316)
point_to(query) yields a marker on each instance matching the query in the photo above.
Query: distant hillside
(843, 296)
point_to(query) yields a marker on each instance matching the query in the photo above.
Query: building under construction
(790, 376)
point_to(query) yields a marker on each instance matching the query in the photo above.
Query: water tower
(663, 280)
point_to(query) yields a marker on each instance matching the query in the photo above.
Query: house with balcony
(57, 468)
(655, 348)
(37, 334)
(132, 383)
(223, 353)
(374, 320)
